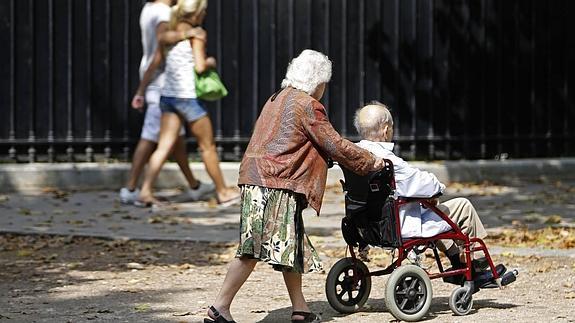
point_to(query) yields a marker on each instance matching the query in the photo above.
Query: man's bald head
(371, 120)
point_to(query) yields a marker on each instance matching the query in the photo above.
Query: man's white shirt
(416, 221)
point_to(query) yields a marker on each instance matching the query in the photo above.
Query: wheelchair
(372, 218)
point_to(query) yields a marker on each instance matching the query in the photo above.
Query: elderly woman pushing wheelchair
(283, 171)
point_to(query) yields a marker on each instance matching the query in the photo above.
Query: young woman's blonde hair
(186, 7)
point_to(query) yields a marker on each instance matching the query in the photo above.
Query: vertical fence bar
(107, 87)
(426, 80)
(567, 137)
(255, 66)
(219, 49)
(50, 52)
(532, 83)
(236, 113)
(343, 50)
(447, 113)
(125, 101)
(273, 44)
(326, 44)
(499, 53)
(291, 35)
(482, 46)
(32, 84)
(412, 78)
(89, 150)
(69, 84)
(12, 132)
(516, 92)
(361, 58)
(549, 89)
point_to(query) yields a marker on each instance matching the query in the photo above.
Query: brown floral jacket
(290, 145)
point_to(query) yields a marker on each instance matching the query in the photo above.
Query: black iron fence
(465, 79)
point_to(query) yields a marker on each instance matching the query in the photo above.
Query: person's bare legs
(181, 156)
(293, 285)
(202, 130)
(169, 132)
(142, 154)
(238, 272)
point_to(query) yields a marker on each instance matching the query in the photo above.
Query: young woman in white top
(179, 102)
(154, 19)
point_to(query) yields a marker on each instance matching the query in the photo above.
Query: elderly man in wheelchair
(397, 208)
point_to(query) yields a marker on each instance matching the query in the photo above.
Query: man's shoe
(481, 279)
(129, 197)
(203, 191)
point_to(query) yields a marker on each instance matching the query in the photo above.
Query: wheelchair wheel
(408, 293)
(457, 302)
(343, 294)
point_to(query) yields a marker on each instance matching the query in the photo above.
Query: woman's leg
(293, 285)
(238, 272)
(170, 126)
(142, 154)
(181, 156)
(202, 130)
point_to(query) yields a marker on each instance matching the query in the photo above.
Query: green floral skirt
(272, 230)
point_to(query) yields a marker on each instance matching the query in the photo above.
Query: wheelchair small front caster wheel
(408, 293)
(348, 285)
(461, 301)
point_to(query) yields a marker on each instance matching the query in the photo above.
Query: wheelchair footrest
(509, 277)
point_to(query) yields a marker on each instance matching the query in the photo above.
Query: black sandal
(309, 317)
(219, 317)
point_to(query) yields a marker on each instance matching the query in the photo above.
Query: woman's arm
(138, 100)
(320, 131)
(202, 63)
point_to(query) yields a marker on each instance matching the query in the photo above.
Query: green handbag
(209, 86)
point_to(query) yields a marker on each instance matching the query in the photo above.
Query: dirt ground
(67, 279)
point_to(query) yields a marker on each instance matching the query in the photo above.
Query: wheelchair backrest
(369, 208)
(373, 188)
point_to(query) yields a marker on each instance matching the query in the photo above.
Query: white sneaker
(202, 192)
(129, 197)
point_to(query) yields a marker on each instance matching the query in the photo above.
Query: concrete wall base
(97, 176)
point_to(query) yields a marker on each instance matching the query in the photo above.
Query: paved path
(90, 280)
(100, 214)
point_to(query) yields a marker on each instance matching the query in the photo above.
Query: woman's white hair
(307, 71)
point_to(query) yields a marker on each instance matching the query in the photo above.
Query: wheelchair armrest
(414, 199)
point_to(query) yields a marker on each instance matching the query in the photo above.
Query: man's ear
(384, 129)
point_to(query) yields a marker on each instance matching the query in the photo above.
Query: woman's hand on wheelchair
(378, 165)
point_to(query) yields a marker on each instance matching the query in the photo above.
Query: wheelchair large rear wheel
(408, 293)
(348, 286)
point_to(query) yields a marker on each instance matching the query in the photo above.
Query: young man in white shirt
(374, 123)
(154, 19)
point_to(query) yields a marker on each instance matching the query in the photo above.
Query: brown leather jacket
(290, 145)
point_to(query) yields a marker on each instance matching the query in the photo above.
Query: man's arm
(169, 37)
(138, 100)
(320, 131)
(414, 182)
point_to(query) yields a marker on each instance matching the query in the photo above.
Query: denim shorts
(189, 109)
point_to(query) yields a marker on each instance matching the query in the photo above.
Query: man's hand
(433, 201)
(198, 33)
(138, 102)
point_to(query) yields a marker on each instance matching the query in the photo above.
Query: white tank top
(179, 72)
